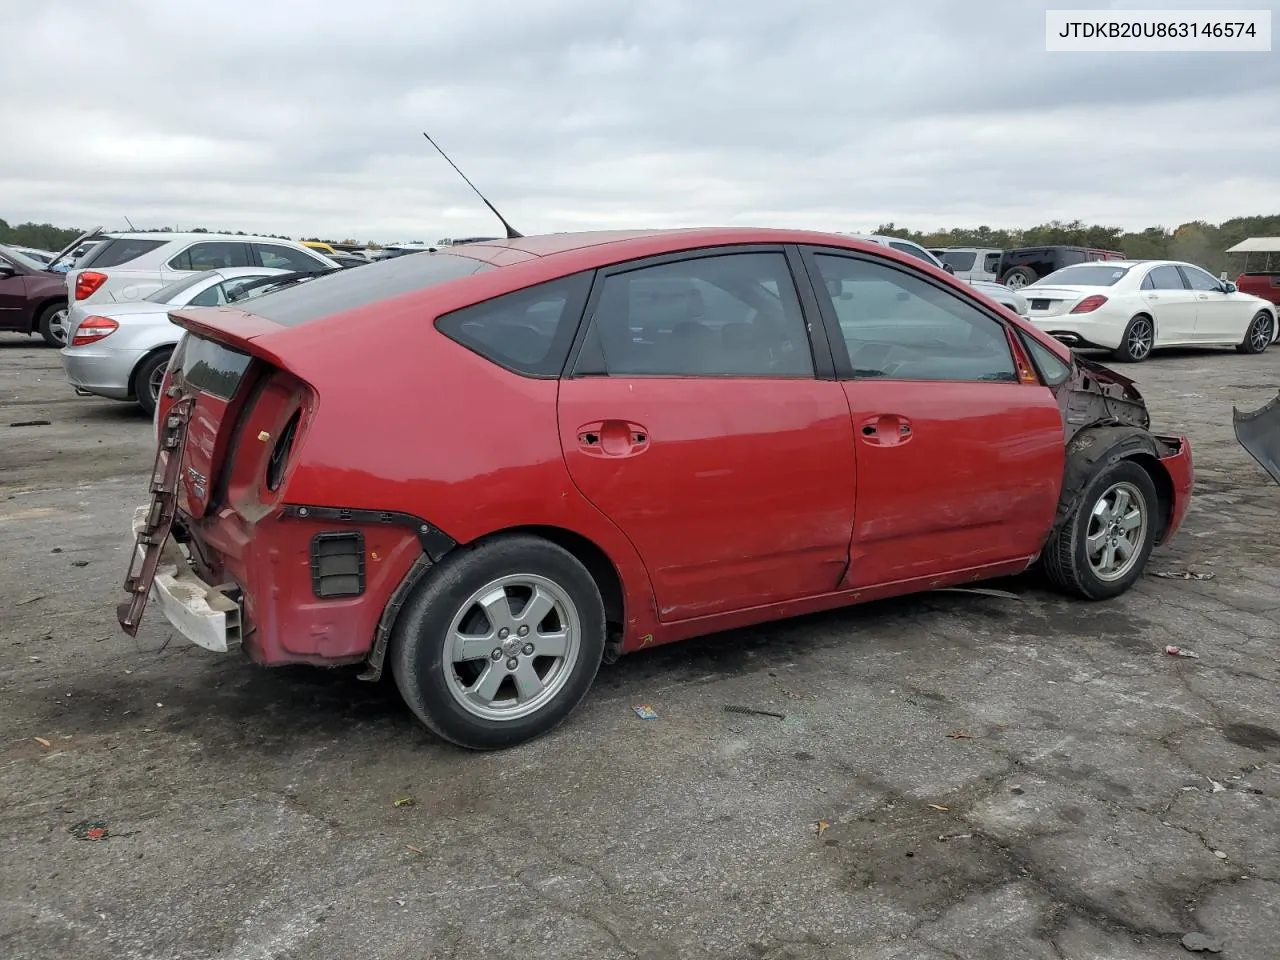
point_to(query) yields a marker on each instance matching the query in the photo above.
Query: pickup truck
(1263, 280)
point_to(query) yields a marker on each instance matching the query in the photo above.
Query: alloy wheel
(1260, 333)
(58, 326)
(1117, 531)
(1141, 337)
(512, 647)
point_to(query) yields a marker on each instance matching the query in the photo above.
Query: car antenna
(512, 232)
(130, 223)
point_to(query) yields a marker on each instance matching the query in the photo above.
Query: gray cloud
(303, 118)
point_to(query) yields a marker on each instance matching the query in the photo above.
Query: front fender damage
(1259, 433)
(1098, 396)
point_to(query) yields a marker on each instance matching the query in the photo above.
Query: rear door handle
(612, 438)
(886, 430)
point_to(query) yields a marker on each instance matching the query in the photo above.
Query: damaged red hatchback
(494, 466)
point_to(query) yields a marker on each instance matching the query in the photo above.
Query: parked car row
(1017, 267)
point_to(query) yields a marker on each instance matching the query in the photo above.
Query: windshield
(169, 294)
(21, 259)
(1084, 275)
(958, 259)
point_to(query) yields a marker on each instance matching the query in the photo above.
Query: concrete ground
(956, 776)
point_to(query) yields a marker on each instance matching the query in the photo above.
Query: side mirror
(1229, 287)
(949, 268)
(7, 269)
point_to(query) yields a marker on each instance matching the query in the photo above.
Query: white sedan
(1131, 307)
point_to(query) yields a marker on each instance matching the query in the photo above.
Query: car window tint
(910, 248)
(117, 251)
(210, 255)
(991, 263)
(719, 316)
(528, 331)
(1199, 280)
(285, 258)
(1164, 278)
(958, 259)
(902, 327)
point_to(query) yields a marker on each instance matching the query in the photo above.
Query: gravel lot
(956, 776)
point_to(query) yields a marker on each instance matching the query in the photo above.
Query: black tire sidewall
(1028, 275)
(142, 376)
(418, 640)
(1122, 352)
(42, 325)
(1248, 334)
(1118, 471)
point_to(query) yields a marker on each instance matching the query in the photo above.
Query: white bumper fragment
(202, 613)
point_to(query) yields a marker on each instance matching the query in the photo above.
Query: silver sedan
(120, 350)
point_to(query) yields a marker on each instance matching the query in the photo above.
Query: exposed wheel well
(1164, 487)
(598, 564)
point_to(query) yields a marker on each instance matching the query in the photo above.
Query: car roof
(171, 235)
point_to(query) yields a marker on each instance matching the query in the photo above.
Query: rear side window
(958, 259)
(344, 290)
(211, 255)
(118, 251)
(285, 258)
(528, 331)
(210, 367)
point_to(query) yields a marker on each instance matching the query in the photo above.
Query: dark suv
(1024, 265)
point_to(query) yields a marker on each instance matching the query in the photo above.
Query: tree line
(1196, 242)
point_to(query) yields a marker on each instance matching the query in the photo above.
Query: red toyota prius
(494, 466)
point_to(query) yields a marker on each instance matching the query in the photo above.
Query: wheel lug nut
(504, 633)
(523, 631)
(527, 649)
(512, 663)
(496, 655)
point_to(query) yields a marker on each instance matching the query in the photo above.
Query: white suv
(128, 266)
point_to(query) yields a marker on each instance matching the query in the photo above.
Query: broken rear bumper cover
(202, 613)
(1259, 433)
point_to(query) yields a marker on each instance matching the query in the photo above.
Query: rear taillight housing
(1089, 304)
(88, 282)
(280, 452)
(93, 329)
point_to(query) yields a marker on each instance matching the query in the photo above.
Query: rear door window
(285, 258)
(211, 255)
(118, 251)
(991, 264)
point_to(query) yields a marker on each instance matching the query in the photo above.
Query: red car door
(694, 421)
(959, 460)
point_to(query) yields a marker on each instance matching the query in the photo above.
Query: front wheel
(1103, 547)
(501, 643)
(1261, 332)
(1138, 341)
(53, 324)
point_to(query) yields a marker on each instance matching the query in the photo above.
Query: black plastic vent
(280, 453)
(337, 565)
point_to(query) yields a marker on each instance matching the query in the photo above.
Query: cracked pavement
(998, 778)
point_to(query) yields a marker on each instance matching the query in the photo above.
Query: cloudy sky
(304, 117)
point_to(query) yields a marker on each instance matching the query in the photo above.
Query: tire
(445, 683)
(1019, 277)
(53, 324)
(147, 378)
(1260, 333)
(1066, 558)
(1138, 341)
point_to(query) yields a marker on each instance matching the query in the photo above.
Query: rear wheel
(1138, 340)
(53, 324)
(1262, 330)
(501, 643)
(1019, 277)
(1103, 547)
(148, 378)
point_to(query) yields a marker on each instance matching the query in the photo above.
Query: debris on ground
(981, 591)
(1175, 651)
(404, 802)
(945, 837)
(90, 830)
(645, 712)
(23, 603)
(732, 708)
(1217, 787)
(1220, 854)
(960, 735)
(821, 827)
(1199, 943)
(938, 806)
(32, 423)
(1183, 575)
(79, 563)
(43, 742)
(410, 846)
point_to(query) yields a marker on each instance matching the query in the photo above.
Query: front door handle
(613, 438)
(1204, 296)
(885, 430)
